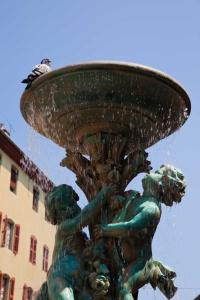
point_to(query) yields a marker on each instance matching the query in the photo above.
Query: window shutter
(1, 282)
(16, 238)
(46, 262)
(0, 220)
(31, 250)
(0, 226)
(24, 297)
(34, 250)
(11, 290)
(45, 258)
(4, 232)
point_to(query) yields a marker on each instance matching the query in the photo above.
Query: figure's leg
(166, 286)
(161, 276)
(134, 277)
(60, 289)
(165, 270)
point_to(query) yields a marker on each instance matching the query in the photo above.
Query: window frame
(33, 249)
(45, 258)
(14, 174)
(5, 292)
(11, 288)
(4, 241)
(16, 238)
(26, 290)
(36, 198)
(3, 235)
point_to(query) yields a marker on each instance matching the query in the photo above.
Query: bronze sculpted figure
(66, 274)
(133, 228)
(130, 234)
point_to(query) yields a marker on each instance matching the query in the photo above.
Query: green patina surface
(128, 240)
(105, 114)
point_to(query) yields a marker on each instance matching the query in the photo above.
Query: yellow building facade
(26, 238)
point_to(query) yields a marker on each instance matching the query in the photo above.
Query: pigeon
(3, 129)
(38, 70)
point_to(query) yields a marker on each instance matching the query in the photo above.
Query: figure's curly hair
(56, 194)
(166, 178)
(172, 177)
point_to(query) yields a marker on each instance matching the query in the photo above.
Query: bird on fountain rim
(38, 70)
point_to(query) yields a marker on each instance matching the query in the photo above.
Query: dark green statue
(120, 251)
(66, 275)
(133, 228)
(105, 114)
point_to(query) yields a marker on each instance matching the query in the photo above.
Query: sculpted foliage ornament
(105, 115)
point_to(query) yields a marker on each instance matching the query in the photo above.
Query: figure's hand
(109, 190)
(97, 232)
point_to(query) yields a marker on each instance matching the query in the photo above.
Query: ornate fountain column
(105, 115)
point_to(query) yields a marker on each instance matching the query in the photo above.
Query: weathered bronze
(105, 115)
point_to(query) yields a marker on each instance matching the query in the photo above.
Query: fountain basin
(137, 102)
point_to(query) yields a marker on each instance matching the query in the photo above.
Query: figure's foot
(166, 286)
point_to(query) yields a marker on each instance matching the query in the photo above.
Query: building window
(36, 196)
(6, 287)
(33, 248)
(27, 293)
(13, 179)
(8, 233)
(45, 258)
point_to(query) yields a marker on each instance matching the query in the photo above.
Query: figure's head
(61, 204)
(167, 183)
(46, 61)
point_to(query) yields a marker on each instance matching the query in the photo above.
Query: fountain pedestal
(105, 115)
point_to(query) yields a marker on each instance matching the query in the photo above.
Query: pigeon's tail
(25, 80)
(30, 78)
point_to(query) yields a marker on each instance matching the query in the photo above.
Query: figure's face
(61, 204)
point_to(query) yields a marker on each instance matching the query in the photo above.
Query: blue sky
(160, 34)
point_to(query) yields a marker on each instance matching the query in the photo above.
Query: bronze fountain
(105, 114)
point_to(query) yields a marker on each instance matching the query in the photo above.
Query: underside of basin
(74, 102)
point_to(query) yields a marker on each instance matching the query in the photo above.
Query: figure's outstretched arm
(138, 225)
(90, 211)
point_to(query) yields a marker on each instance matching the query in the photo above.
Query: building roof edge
(24, 162)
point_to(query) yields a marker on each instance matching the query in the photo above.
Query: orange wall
(18, 207)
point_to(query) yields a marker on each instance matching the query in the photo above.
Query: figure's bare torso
(134, 246)
(71, 244)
